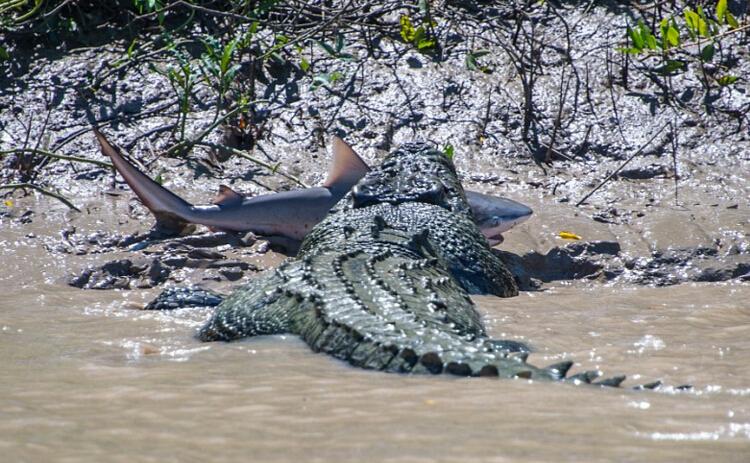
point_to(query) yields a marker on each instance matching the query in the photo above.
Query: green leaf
(339, 43)
(721, 10)
(281, 40)
(325, 79)
(407, 29)
(320, 79)
(646, 36)
(448, 151)
(426, 44)
(327, 48)
(304, 64)
(670, 67)
(4, 55)
(471, 60)
(226, 56)
(703, 28)
(727, 80)
(707, 54)
(131, 48)
(336, 75)
(635, 37)
(691, 21)
(732, 21)
(673, 36)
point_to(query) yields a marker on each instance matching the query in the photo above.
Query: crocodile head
(415, 172)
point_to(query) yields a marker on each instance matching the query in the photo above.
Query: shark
(288, 215)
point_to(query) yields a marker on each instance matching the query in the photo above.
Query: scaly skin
(384, 281)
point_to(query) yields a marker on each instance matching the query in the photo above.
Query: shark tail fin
(171, 211)
(347, 167)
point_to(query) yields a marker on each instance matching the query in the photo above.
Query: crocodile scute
(384, 281)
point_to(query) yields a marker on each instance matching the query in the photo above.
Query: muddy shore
(676, 212)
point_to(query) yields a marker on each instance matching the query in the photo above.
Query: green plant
(472, 61)
(147, 6)
(422, 35)
(219, 68)
(419, 36)
(448, 151)
(673, 40)
(327, 79)
(336, 50)
(181, 78)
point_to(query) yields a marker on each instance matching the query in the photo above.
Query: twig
(609, 177)
(243, 154)
(560, 106)
(674, 162)
(41, 190)
(185, 145)
(61, 157)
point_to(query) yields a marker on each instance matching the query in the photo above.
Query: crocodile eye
(365, 192)
(427, 189)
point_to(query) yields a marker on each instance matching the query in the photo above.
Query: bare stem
(59, 197)
(609, 177)
(61, 157)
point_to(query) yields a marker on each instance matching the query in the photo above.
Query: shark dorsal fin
(227, 196)
(347, 167)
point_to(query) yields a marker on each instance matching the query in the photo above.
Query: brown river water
(87, 377)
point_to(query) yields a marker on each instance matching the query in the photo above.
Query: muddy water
(86, 377)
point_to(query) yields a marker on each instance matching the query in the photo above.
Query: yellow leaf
(8, 203)
(566, 235)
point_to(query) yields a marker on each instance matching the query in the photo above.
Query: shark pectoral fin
(347, 167)
(227, 197)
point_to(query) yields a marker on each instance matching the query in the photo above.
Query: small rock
(232, 273)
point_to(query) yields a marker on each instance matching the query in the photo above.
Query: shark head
(495, 215)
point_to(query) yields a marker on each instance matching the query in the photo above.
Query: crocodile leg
(183, 297)
(261, 307)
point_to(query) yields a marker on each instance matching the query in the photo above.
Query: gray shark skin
(495, 215)
(289, 214)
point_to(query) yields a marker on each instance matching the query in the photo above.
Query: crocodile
(384, 281)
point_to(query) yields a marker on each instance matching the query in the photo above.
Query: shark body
(290, 214)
